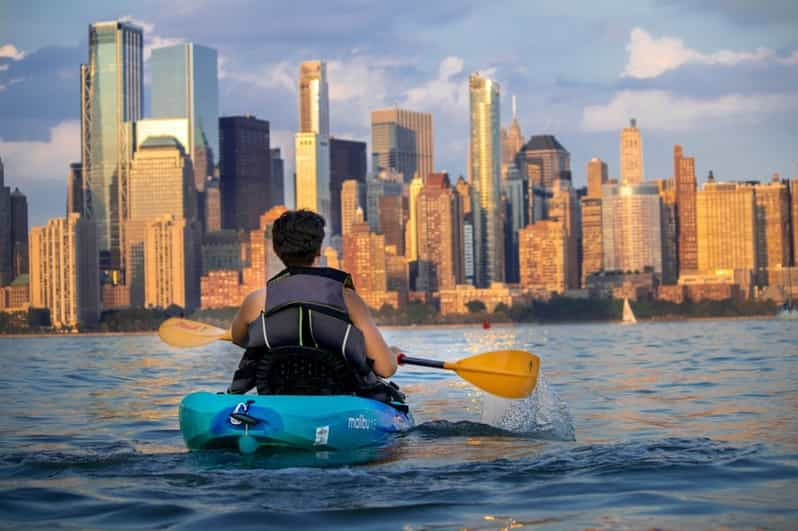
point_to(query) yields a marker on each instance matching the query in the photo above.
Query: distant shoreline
(500, 324)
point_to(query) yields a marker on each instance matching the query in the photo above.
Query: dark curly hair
(297, 236)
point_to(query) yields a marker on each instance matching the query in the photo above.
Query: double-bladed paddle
(505, 373)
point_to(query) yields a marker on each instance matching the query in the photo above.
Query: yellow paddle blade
(506, 373)
(184, 333)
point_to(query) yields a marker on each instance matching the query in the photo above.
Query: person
(299, 328)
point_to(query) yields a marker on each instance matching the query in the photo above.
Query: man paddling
(299, 328)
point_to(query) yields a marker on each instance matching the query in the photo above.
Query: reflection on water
(658, 425)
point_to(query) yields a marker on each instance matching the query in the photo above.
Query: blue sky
(718, 76)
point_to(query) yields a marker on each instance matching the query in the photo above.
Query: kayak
(317, 423)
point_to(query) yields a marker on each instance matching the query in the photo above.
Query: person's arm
(377, 349)
(250, 308)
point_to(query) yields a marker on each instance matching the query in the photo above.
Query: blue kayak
(250, 422)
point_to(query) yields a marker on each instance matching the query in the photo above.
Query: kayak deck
(249, 422)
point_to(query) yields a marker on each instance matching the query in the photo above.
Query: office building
(440, 237)
(772, 203)
(213, 205)
(596, 177)
(244, 171)
(64, 271)
(411, 236)
(161, 184)
(401, 140)
(379, 185)
(542, 160)
(631, 154)
(543, 257)
(563, 206)
(75, 188)
(485, 166)
(685, 183)
(312, 142)
(515, 193)
(794, 216)
(347, 161)
(364, 259)
(726, 227)
(512, 141)
(670, 254)
(353, 197)
(631, 227)
(185, 85)
(592, 249)
(467, 199)
(111, 92)
(277, 189)
(224, 249)
(170, 263)
(6, 247)
(19, 233)
(393, 220)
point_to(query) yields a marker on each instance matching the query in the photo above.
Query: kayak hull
(251, 422)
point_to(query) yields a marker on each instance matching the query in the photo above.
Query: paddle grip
(401, 359)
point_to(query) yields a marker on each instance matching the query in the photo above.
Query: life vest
(305, 333)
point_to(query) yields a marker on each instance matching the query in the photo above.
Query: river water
(671, 425)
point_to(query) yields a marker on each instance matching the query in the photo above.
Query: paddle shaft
(408, 360)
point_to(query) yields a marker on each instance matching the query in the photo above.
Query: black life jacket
(304, 342)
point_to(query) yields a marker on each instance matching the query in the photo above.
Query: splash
(542, 414)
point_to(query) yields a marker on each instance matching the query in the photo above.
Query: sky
(719, 77)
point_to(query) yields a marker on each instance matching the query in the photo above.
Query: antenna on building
(633, 123)
(711, 177)
(514, 107)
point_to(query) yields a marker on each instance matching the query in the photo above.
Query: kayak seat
(298, 370)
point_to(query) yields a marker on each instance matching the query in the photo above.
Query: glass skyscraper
(185, 85)
(485, 166)
(111, 87)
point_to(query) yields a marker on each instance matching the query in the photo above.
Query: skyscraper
(401, 140)
(245, 171)
(111, 89)
(631, 227)
(512, 142)
(170, 263)
(185, 85)
(563, 206)
(440, 237)
(213, 205)
(19, 234)
(75, 188)
(592, 247)
(542, 160)
(312, 142)
(6, 253)
(685, 183)
(411, 238)
(631, 154)
(347, 161)
(773, 226)
(468, 201)
(64, 274)
(485, 164)
(277, 191)
(726, 227)
(670, 255)
(596, 176)
(353, 197)
(543, 255)
(794, 215)
(161, 184)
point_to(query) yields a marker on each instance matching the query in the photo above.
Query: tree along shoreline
(556, 310)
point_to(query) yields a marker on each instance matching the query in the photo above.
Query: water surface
(680, 425)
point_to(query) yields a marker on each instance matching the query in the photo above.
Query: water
(675, 425)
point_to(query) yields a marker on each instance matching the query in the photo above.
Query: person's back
(307, 317)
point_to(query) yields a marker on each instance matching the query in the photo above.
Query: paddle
(505, 373)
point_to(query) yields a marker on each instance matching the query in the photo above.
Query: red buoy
(485, 324)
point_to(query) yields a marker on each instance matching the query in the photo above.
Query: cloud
(661, 110)
(47, 160)
(447, 93)
(10, 51)
(151, 39)
(650, 57)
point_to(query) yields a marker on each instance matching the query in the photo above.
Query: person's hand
(396, 350)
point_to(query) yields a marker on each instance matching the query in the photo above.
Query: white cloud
(10, 51)
(447, 93)
(43, 160)
(280, 75)
(791, 59)
(650, 57)
(658, 109)
(151, 40)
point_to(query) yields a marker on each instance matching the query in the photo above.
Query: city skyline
(619, 79)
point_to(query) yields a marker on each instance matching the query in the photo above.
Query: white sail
(628, 314)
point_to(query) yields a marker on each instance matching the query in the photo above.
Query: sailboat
(628, 314)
